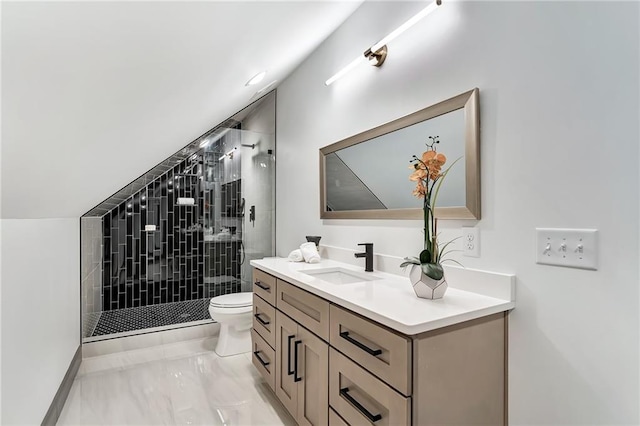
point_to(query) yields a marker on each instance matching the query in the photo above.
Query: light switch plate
(573, 248)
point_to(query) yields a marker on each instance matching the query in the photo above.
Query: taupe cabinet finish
(264, 285)
(359, 397)
(460, 374)
(264, 358)
(328, 365)
(309, 310)
(264, 320)
(302, 363)
(297, 360)
(384, 353)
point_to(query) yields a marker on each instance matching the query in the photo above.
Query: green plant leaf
(440, 180)
(410, 261)
(432, 270)
(425, 256)
(443, 250)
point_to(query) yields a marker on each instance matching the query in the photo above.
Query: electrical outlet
(471, 241)
(574, 248)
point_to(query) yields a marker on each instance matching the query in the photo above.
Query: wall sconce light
(377, 53)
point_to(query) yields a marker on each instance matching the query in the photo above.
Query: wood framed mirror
(366, 176)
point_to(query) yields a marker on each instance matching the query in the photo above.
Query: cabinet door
(263, 358)
(313, 370)
(286, 387)
(466, 360)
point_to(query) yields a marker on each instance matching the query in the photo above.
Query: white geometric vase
(426, 287)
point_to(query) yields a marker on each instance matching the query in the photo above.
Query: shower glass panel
(161, 251)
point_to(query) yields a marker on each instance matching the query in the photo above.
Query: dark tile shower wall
(142, 268)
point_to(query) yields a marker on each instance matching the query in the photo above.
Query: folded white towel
(296, 256)
(310, 253)
(186, 201)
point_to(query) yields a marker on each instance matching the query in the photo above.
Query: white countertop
(389, 300)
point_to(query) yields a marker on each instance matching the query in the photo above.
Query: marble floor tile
(177, 384)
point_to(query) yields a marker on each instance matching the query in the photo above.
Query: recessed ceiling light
(264, 89)
(256, 78)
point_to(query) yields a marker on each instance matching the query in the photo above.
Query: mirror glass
(367, 175)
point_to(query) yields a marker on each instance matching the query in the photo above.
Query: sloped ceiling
(96, 93)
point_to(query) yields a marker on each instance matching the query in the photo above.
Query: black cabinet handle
(374, 352)
(289, 369)
(372, 417)
(295, 362)
(260, 359)
(261, 320)
(262, 286)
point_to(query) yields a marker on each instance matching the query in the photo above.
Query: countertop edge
(409, 330)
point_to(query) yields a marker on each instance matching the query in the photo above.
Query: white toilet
(233, 312)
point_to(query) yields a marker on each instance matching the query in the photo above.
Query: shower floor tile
(131, 319)
(180, 383)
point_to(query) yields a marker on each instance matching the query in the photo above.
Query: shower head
(252, 146)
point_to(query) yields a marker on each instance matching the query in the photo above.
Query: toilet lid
(234, 300)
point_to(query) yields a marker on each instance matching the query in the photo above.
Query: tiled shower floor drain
(122, 320)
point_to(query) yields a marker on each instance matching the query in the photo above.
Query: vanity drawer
(360, 398)
(264, 320)
(336, 420)
(264, 285)
(307, 309)
(264, 358)
(384, 353)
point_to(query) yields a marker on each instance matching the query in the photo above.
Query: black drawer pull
(260, 359)
(289, 369)
(262, 286)
(372, 417)
(295, 362)
(374, 352)
(263, 322)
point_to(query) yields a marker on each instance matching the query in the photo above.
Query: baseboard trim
(51, 418)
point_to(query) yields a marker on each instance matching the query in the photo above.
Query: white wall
(40, 313)
(559, 97)
(86, 82)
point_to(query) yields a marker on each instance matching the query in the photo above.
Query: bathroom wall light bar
(377, 53)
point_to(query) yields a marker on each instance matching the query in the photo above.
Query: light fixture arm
(376, 58)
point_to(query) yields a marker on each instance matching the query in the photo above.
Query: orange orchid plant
(428, 175)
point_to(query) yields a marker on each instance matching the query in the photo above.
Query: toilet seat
(231, 304)
(234, 300)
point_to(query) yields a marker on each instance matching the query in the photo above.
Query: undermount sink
(339, 275)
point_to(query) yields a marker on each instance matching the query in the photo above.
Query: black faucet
(368, 255)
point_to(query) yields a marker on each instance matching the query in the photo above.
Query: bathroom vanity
(340, 346)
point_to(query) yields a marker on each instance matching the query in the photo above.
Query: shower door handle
(252, 214)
